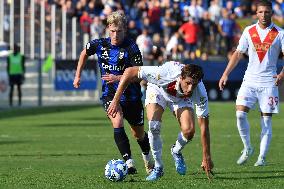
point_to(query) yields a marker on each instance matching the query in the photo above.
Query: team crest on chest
(121, 55)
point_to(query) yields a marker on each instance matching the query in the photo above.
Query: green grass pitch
(68, 147)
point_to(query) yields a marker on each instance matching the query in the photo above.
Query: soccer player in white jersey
(262, 42)
(177, 86)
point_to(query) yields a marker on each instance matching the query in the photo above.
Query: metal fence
(40, 29)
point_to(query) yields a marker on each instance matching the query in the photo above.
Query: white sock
(244, 129)
(180, 143)
(266, 135)
(156, 144)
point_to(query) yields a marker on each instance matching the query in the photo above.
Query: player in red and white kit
(179, 87)
(263, 43)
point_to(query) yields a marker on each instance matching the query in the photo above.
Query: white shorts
(267, 98)
(155, 94)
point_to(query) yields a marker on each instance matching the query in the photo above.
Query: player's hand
(207, 166)
(110, 78)
(76, 82)
(223, 82)
(113, 109)
(279, 78)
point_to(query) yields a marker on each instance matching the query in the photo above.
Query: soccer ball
(116, 170)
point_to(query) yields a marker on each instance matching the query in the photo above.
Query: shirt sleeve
(150, 74)
(135, 55)
(91, 47)
(200, 99)
(243, 42)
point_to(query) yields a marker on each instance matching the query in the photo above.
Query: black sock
(144, 144)
(122, 143)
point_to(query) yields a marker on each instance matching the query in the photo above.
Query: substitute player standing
(263, 42)
(174, 85)
(115, 54)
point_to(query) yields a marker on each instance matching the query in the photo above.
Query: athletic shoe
(131, 167)
(260, 162)
(155, 174)
(149, 165)
(179, 162)
(246, 153)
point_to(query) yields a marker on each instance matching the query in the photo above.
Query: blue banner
(65, 72)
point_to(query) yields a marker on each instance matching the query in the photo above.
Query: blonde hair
(117, 18)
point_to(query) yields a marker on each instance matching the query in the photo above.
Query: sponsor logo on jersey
(113, 67)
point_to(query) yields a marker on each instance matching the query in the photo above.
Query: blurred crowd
(172, 29)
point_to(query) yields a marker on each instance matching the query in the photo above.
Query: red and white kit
(163, 88)
(263, 47)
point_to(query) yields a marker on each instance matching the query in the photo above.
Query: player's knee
(189, 132)
(155, 127)
(241, 115)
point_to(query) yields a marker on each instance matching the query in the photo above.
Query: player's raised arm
(231, 65)
(129, 75)
(81, 62)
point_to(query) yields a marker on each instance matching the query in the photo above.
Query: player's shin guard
(122, 143)
(180, 143)
(244, 129)
(266, 135)
(144, 144)
(155, 142)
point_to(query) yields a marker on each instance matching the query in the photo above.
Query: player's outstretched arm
(207, 163)
(129, 75)
(231, 65)
(81, 63)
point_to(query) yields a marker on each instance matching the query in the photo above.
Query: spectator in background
(106, 11)
(145, 43)
(195, 10)
(16, 73)
(133, 32)
(168, 24)
(278, 13)
(189, 32)
(68, 7)
(79, 10)
(85, 22)
(154, 15)
(207, 27)
(215, 10)
(174, 48)
(226, 27)
(156, 56)
(176, 14)
(97, 28)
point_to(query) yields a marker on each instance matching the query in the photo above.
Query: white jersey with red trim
(165, 76)
(263, 47)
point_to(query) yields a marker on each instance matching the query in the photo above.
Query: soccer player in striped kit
(263, 43)
(115, 54)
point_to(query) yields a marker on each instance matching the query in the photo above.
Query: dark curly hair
(193, 71)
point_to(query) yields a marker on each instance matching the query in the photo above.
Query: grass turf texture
(68, 147)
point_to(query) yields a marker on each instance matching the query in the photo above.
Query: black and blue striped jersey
(114, 60)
